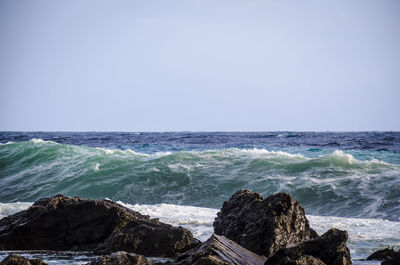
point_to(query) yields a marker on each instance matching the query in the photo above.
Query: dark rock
(292, 256)
(64, 223)
(393, 260)
(160, 240)
(14, 259)
(382, 254)
(219, 250)
(263, 225)
(121, 258)
(330, 249)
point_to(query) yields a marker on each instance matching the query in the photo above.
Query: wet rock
(14, 259)
(65, 223)
(121, 258)
(219, 250)
(383, 254)
(263, 225)
(330, 249)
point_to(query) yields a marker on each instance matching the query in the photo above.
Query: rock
(292, 256)
(383, 254)
(392, 260)
(14, 259)
(160, 240)
(263, 225)
(121, 258)
(329, 249)
(64, 223)
(219, 250)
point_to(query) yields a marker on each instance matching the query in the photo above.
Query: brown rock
(121, 258)
(219, 250)
(64, 223)
(329, 249)
(14, 259)
(263, 225)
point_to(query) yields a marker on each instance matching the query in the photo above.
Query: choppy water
(349, 180)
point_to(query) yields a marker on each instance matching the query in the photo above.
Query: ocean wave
(335, 183)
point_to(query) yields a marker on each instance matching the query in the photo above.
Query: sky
(199, 65)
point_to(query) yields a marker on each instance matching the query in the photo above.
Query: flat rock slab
(65, 223)
(219, 250)
(263, 225)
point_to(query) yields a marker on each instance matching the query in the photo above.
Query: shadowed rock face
(159, 240)
(64, 223)
(121, 258)
(14, 259)
(383, 254)
(263, 225)
(329, 249)
(219, 250)
(389, 256)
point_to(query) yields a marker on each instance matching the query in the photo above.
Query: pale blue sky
(200, 65)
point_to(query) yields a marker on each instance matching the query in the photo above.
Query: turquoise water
(326, 182)
(346, 180)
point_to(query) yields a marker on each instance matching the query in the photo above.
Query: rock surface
(14, 259)
(389, 256)
(219, 250)
(292, 256)
(263, 225)
(65, 223)
(395, 260)
(330, 249)
(383, 254)
(121, 258)
(147, 239)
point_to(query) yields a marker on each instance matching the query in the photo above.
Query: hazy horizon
(131, 66)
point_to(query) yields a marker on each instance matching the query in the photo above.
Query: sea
(347, 180)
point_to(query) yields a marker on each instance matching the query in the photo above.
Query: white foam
(40, 141)
(118, 151)
(12, 208)
(198, 220)
(263, 153)
(9, 142)
(96, 167)
(365, 235)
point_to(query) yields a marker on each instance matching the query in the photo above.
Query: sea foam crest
(39, 141)
(260, 153)
(9, 142)
(341, 158)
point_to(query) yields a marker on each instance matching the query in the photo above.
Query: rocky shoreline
(248, 230)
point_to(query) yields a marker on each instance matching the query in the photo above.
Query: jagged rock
(121, 258)
(14, 259)
(382, 254)
(219, 250)
(329, 249)
(263, 225)
(64, 223)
